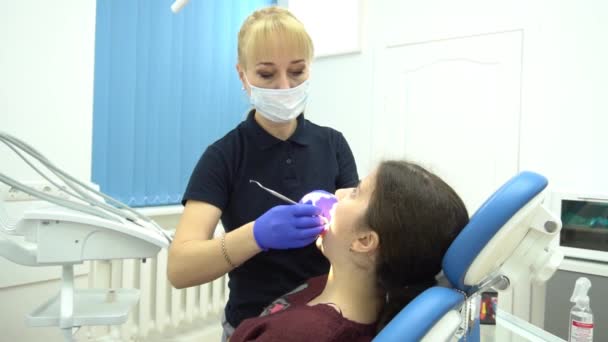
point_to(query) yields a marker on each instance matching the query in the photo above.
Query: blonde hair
(272, 28)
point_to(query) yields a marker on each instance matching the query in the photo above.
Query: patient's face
(348, 218)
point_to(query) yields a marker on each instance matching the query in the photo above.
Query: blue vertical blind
(165, 87)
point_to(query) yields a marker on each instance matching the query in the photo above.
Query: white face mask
(279, 105)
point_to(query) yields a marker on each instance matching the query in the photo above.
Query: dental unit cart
(81, 225)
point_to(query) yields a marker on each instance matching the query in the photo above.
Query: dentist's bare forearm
(195, 262)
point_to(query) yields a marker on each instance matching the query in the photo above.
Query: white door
(452, 105)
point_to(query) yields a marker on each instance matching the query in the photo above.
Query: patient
(385, 245)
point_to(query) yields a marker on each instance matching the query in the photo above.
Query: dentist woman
(269, 246)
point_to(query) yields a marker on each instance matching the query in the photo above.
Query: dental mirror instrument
(274, 193)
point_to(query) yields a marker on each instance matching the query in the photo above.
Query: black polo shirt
(313, 158)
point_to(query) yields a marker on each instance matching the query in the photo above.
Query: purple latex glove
(288, 226)
(326, 201)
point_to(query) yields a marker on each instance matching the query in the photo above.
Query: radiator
(162, 311)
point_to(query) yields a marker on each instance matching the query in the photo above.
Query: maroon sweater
(290, 319)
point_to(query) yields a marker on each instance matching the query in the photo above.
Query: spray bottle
(581, 317)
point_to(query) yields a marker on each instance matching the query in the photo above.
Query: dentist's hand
(288, 226)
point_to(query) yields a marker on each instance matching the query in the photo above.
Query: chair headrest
(487, 221)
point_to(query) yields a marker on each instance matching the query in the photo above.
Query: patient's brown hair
(416, 216)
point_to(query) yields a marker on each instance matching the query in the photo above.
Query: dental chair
(507, 239)
(81, 224)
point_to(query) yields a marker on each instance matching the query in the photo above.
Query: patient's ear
(366, 242)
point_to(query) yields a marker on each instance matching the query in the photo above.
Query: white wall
(46, 83)
(46, 88)
(342, 87)
(340, 98)
(563, 82)
(46, 99)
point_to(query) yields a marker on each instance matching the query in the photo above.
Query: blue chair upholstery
(420, 316)
(426, 310)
